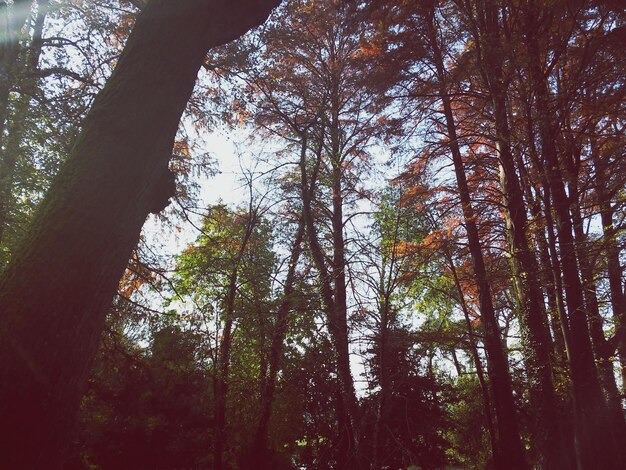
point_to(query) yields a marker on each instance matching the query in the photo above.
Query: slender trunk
(569, 416)
(552, 448)
(549, 288)
(384, 398)
(551, 258)
(509, 443)
(387, 321)
(603, 350)
(538, 235)
(223, 356)
(260, 448)
(55, 292)
(476, 357)
(346, 396)
(555, 302)
(339, 323)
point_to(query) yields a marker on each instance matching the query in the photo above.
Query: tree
(146, 407)
(537, 340)
(509, 443)
(276, 350)
(323, 107)
(402, 387)
(50, 91)
(218, 271)
(60, 283)
(594, 440)
(434, 275)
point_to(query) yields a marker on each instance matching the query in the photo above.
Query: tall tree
(60, 283)
(217, 271)
(323, 104)
(509, 442)
(594, 442)
(553, 449)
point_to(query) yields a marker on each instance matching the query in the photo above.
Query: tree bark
(602, 348)
(339, 321)
(612, 254)
(388, 320)
(473, 347)
(345, 396)
(56, 291)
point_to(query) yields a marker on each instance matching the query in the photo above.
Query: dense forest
(424, 267)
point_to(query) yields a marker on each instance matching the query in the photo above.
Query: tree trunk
(509, 444)
(387, 322)
(477, 361)
(339, 321)
(594, 444)
(59, 285)
(260, 448)
(536, 339)
(612, 254)
(602, 349)
(384, 398)
(386, 286)
(550, 258)
(347, 438)
(223, 356)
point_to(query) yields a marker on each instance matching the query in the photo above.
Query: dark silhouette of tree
(61, 281)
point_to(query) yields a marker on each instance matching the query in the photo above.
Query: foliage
(483, 264)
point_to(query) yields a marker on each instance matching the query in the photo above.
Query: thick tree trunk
(536, 340)
(56, 291)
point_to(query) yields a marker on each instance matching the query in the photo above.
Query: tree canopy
(423, 266)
